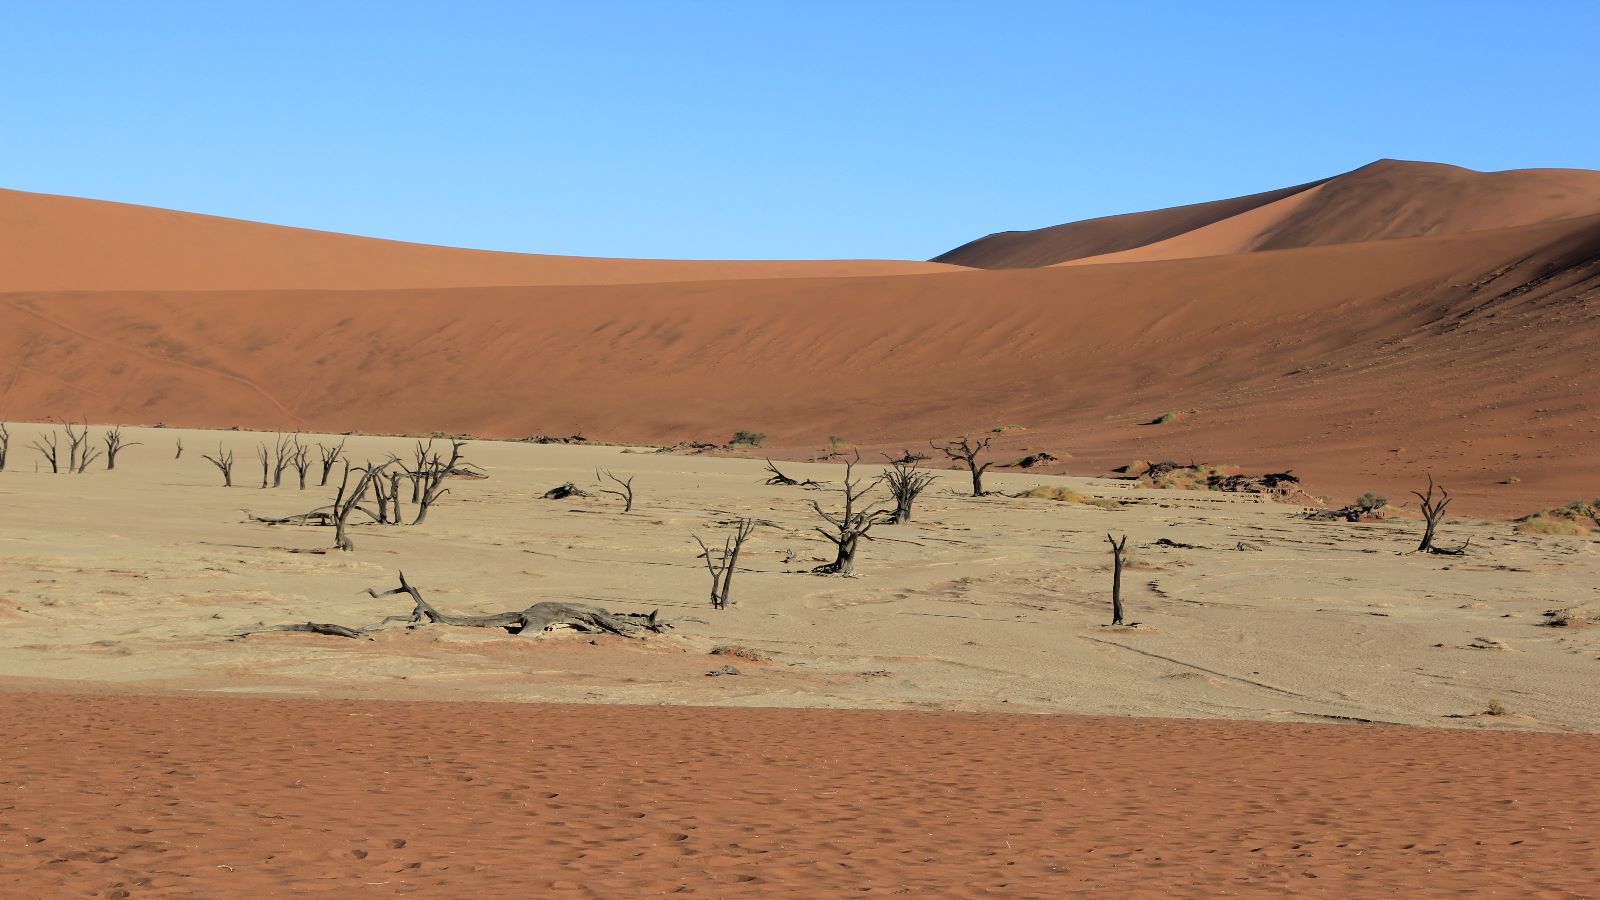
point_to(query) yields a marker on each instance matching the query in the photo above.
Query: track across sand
(117, 795)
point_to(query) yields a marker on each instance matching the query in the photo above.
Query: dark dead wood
(906, 482)
(533, 621)
(852, 525)
(966, 451)
(223, 461)
(114, 445)
(722, 565)
(1433, 509)
(625, 488)
(778, 478)
(563, 491)
(5, 445)
(1117, 549)
(329, 456)
(49, 450)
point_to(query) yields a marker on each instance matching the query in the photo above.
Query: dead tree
(114, 445)
(179, 453)
(432, 472)
(625, 492)
(723, 564)
(1116, 577)
(49, 450)
(1432, 515)
(77, 442)
(87, 455)
(283, 455)
(330, 455)
(852, 525)
(779, 478)
(906, 482)
(224, 463)
(300, 461)
(533, 621)
(265, 457)
(348, 500)
(965, 451)
(5, 445)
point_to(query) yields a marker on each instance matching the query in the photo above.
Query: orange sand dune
(208, 796)
(1385, 200)
(1359, 365)
(64, 243)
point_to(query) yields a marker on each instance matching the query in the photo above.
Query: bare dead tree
(49, 450)
(265, 456)
(5, 445)
(433, 471)
(852, 525)
(905, 482)
(77, 442)
(87, 455)
(283, 455)
(1117, 549)
(906, 456)
(533, 621)
(965, 451)
(330, 456)
(1433, 514)
(114, 445)
(779, 478)
(179, 453)
(625, 494)
(348, 500)
(722, 564)
(224, 463)
(300, 460)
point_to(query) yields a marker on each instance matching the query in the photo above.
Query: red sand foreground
(117, 795)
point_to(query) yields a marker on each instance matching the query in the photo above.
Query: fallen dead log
(535, 620)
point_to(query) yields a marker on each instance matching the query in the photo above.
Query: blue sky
(763, 129)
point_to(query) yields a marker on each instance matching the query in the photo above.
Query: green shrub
(747, 439)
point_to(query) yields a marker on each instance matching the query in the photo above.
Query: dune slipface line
(209, 796)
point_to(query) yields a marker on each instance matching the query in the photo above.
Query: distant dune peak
(1382, 200)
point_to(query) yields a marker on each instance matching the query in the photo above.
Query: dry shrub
(1576, 519)
(1495, 708)
(1067, 495)
(734, 650)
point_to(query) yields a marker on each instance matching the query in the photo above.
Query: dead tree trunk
(966, 452)
(1432, 515)
(266, 463)
(179, 454)
(906, 482)
(625, 494)
(50, 450)
(779, 478)
(330, 455)
(348, 499)
(301, 461)
(114, 445)
(89, 455)
(5, 445)
(1116, 577)
(433, 471)
(283, 455)
(852, 525)
(723, 565)
(533, 621)
(224, 463)
(77, 442)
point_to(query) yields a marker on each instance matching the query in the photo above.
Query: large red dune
(1399, 320)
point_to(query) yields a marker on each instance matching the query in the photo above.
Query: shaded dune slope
(1385, 200)
(66, 243)
(1470, 353)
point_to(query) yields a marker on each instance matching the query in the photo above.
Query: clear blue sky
(760, 129)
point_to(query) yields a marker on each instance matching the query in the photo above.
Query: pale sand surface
(136, 578)
(116, 796)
